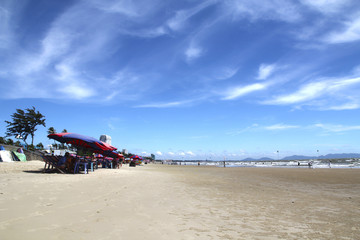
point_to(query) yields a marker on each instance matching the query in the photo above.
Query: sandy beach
(179, 202)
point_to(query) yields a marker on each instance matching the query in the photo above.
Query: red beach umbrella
(83, 141)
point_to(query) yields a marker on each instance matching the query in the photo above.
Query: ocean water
(311, 163)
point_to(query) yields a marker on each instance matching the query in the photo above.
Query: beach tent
(5, 156)
(19, 156)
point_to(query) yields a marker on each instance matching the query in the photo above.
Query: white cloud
(336, 128)
(5, 29)
(225, 73)
(193, 52)
(77, 91)
(166, 105)
(243, 90)
(280, 127)
(349, 33)
(265, 71)
(326, 6)
(125, 7)
(356, 70)
(70, 85)
(340, 84)
(347, 106)
(159, 153)
(124, 78)
(59, 61)
(315, 90)
(273, 9)
(190, 153)
(181, 17)
(305, 93)
(254, 126)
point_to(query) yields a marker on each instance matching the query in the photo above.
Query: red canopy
(84, 141)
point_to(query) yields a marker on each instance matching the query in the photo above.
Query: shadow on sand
(40, 171)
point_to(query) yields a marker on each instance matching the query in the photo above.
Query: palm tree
(62, 145)
(52, 130)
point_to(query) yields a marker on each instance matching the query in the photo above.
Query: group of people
(67, 163)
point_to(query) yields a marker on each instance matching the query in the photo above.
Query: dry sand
(179, 202)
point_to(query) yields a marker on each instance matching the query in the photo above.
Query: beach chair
(92, 165)
(51, 164)
(81, 166)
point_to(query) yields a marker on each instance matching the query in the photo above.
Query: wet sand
(179, 202)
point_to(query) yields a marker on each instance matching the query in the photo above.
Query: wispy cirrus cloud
(177, 22)
(265, 70)
(326, 6)
(326, 128)
(238, 92)
(126, 7)
(350, 32)
(70, 47)
(346, 106)
(225, 73)
(70, 44)
(193, 52)
(305, 93)
(337, 128)
(325, 90)
(281, 126)
(168, 104)
(5, 28)
(270, 10)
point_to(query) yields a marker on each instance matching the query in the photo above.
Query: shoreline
(158, 201)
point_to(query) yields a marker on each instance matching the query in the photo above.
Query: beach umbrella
(113, 154)
(137, 159)
(79, 140)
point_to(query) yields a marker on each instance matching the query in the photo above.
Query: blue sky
(188, 79)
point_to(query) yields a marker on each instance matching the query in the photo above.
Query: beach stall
(137, 159)
(94, 145)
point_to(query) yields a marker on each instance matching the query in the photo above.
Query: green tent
(19, 156)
